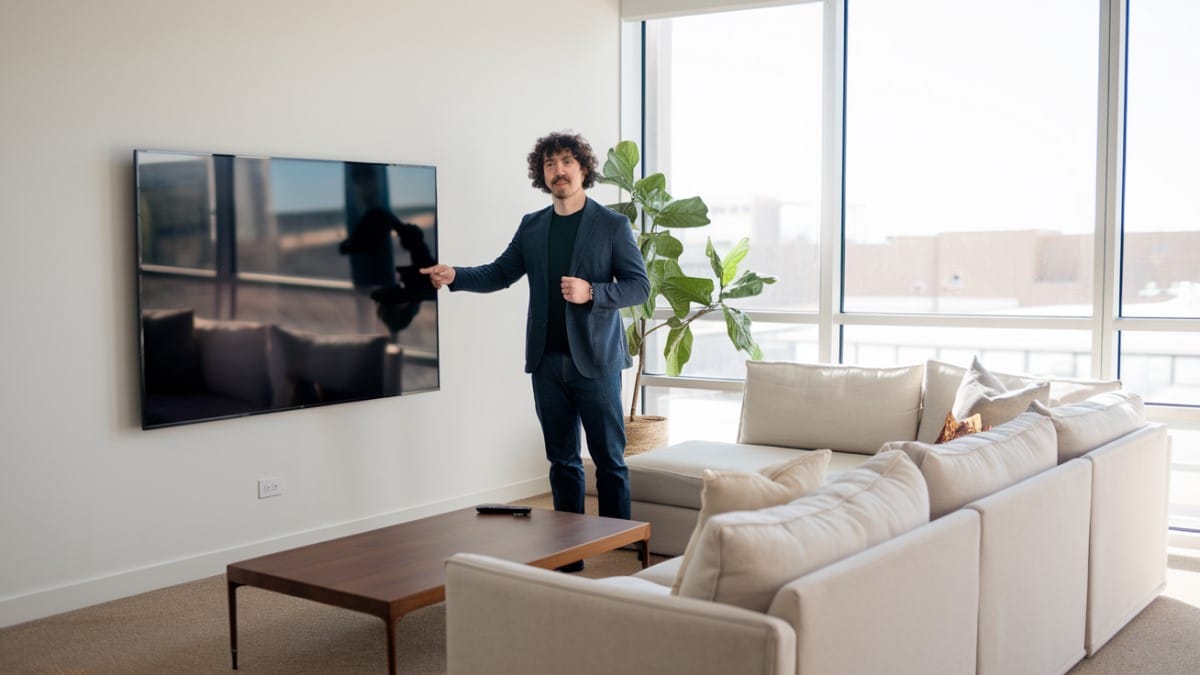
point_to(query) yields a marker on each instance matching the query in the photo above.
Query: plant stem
(637, 382)
(641, 365)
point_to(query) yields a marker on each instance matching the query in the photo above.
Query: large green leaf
(665, 245)
(714, 260)
(618, 168)
(649, 305)
(627, 209)
(636, 312)
(747, 285)
(738, 326)
(633, 338)
(689, 212)
(681, 291)
(678, 349)
(732, 259)
(651, 193)
(661, 269)
(645, 242)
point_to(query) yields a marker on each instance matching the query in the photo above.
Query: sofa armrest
(1127, 566)
(506, 618)
(908, 605)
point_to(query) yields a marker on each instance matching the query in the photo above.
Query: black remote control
(504, 509)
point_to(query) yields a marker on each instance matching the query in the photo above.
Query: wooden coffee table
(393, 570)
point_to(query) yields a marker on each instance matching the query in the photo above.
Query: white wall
(91, 506)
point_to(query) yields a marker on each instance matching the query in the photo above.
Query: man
(583, 265)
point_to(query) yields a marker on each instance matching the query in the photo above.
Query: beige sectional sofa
(1018, 549)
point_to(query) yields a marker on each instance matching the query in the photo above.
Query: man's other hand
(576, 290)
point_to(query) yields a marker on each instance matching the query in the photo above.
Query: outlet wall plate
(269, 487)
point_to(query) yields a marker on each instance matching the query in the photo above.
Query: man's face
(563, 174)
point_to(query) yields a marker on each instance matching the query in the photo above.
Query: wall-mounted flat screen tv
(268, 284)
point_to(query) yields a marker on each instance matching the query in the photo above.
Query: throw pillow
(942, 380)
(975, 466)
(743, 558)
(726, 491)
(810, 405)
(982, 392)
(952, 428)
(1083, 427)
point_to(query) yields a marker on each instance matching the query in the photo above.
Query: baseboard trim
(46, 602)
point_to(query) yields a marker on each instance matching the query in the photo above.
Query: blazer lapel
(536, 264)
(587, 229)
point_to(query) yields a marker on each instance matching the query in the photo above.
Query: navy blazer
(605, 254)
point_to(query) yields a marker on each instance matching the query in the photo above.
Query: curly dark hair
(558, 142)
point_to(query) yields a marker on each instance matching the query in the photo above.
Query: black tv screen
(269, 284)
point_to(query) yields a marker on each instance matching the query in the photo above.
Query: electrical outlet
(269, 487)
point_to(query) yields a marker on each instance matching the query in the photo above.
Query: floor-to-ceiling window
(1014, 180)
(970, 180)
(1159, 291)
(738, 122)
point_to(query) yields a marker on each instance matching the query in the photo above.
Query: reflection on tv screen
(271, 284)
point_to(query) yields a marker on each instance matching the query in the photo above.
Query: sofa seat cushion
(726, 491)
(943, 379)
(743, 558)
(636, 584)
(662, 573)
(844, 408)
(675, 474)
(1085, 426)
(978, 465)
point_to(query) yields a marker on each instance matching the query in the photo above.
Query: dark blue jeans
(564, 399)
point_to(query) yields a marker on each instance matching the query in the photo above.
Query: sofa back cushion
(974, 466)
(844, 408)
(312, 368)
(942, 381)
(726, 491)
(233, 358)
(743, 558)
(1085, 426)
(170, 353)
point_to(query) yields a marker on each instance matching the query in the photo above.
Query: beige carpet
(185, 629)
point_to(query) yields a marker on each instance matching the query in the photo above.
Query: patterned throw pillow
(952, 428)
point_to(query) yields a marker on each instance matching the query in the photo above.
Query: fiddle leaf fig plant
(689, 297)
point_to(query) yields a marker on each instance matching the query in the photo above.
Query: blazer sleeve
(630, 285)
(498, 274)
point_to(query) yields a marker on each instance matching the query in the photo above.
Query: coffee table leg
(389, 623)
(233, 622)
(644, 547)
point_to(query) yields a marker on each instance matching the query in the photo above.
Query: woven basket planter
(645, 432)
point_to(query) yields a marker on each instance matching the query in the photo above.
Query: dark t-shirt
(560, 245)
